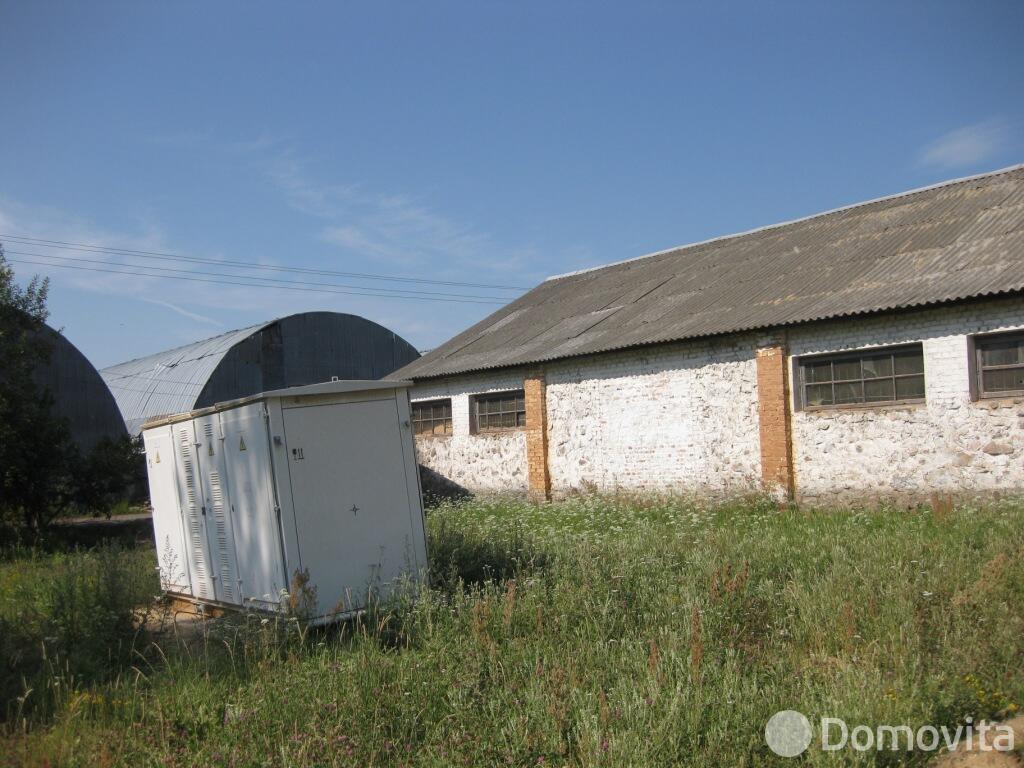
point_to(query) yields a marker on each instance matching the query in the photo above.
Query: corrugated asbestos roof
(169, 382)
(957, 240)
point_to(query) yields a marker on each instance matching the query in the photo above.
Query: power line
(377, 291)
(249, 285)
(25, 240)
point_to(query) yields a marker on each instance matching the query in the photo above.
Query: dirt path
(962, 758)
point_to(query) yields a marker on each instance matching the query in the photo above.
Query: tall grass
(599, 631)
(66, 621)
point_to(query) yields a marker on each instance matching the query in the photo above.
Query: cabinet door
(193, 509)
(350, 491)
(254, 518)
(219, 534)
(168, 525)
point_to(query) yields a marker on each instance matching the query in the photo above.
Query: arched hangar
(79, 394)
(292, 351)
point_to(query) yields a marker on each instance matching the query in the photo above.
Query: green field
(596, 631)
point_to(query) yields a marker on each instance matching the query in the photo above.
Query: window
(432, 417)
(504, 410)
(870, 377)
(1000, 364)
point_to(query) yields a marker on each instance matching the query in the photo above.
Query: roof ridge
(840, 209)
(253, 328)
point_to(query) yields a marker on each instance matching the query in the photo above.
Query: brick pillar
(534, 388)
(774, 416)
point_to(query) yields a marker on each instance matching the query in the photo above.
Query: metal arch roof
(954, 241)
(79, 393)
(169, 382)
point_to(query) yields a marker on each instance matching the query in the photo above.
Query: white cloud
(364, 230)
(967, 146)
(391, 229)
(84, 269)
(184, 312)
(55, 225)
(204, 309)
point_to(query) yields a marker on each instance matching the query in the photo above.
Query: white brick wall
(947, 444)
(684, 417)
(680, 417)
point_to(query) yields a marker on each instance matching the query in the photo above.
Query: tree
(36, 453)
(114, 471)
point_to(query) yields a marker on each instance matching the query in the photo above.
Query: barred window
(1000, 364)
(500, 411)
(869, 377)
(432, 417)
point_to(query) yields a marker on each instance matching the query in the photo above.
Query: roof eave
(701, 336)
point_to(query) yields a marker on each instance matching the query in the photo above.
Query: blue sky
(493, 143)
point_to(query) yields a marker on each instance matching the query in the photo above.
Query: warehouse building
(301, 349)
(79, 394)
(875, 351)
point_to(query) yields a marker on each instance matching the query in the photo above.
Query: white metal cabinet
(319, 479)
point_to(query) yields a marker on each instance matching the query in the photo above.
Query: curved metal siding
(305, 348)
(168, 382)
(80, 396)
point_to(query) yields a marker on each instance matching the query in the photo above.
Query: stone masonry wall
(493, 462)
(685, 417)
(675, 417)
(949, 444)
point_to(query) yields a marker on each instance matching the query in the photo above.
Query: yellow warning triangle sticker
(241, 443)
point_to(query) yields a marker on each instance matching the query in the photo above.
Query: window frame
(432, 403)
(510, 394)
(978, 374)
(799, 377)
